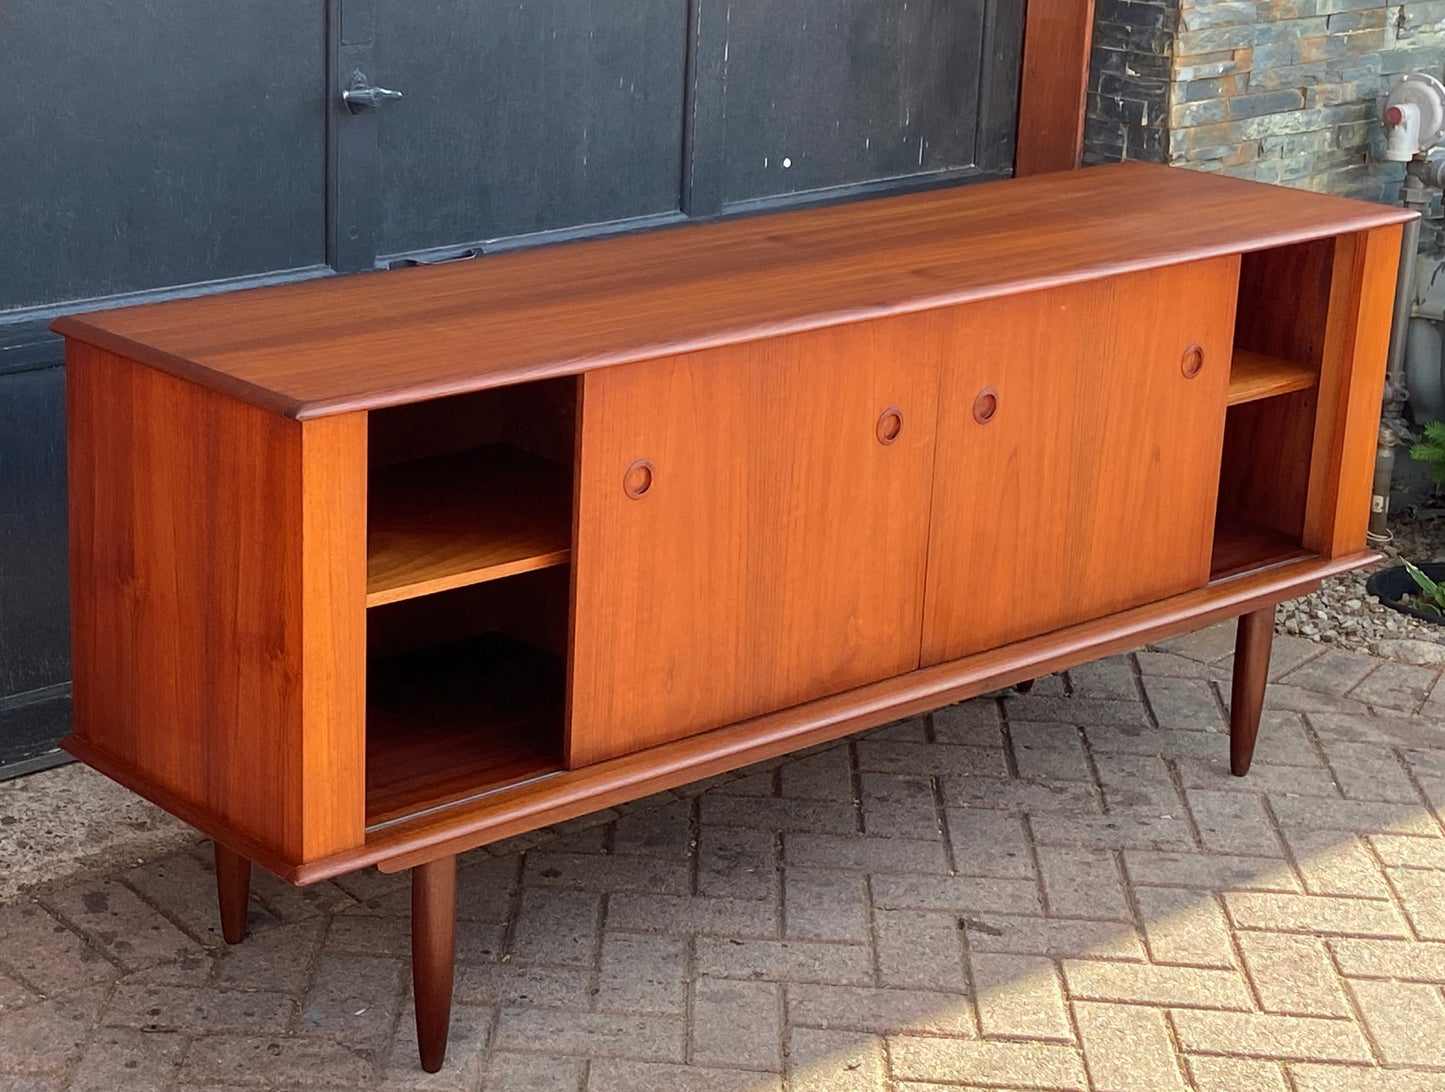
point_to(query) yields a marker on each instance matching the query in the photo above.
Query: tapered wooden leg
(233, 888)
(1252, 643)
(433, 952)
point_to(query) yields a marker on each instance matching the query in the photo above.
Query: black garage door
(164, 147)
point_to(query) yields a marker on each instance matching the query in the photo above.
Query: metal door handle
(361, 95)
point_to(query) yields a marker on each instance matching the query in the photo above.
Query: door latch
(361, 95)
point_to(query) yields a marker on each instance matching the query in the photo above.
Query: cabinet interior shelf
(457, 720)
(1254, 375)
(464, 518)
(1241, 547)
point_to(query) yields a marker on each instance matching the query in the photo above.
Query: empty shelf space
(451, 722)
(1255, 375)
(462, 518)
(1243, 547)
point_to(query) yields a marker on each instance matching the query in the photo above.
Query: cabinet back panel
(778, 555)
(1091, 488)
(1284, 301)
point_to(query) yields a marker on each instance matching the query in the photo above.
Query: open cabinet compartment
(1279, 343)
(469, 538)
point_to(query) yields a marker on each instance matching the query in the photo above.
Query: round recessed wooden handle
(985, 405)
(1192, 363)
(637, 479)
(890, 425)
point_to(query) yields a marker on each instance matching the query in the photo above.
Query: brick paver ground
(1064, 890)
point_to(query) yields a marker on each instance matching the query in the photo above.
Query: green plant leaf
(1434, 593)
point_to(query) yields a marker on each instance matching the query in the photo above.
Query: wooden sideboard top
(379, 339)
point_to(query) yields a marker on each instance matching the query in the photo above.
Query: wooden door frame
(1053, 88)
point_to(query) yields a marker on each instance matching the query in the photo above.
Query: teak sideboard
(372, 570)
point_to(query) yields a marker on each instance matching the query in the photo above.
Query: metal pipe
(1396, 389)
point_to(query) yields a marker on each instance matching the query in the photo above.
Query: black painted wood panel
(524, 116)
(151, 144)
(814, 95)
(34, 596)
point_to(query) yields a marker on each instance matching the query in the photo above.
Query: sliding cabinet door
(1080, 432)
(751, 530)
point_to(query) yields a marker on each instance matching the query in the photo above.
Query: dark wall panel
(34, 599)
(816, 94)
(526, 115)
(146, 143)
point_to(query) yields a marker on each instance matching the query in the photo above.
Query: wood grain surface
(381, 339)
(1053, 86)
(218, 622)
(779, 553)
(1092, 487)
(1254, 376)
(1352, 381)
(455, 720)
(464, 518)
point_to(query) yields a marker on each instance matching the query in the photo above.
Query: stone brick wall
(1284, 91)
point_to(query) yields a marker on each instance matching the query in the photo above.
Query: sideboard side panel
(189, 589)
(1352, 381)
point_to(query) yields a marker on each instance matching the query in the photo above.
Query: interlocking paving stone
(195, 1008)
(47, 955)
(1407, 960)
(821, 904)
(1054, 937)
(1049, 751)
(117, 922)
(1184, 704)
(1127, 1048)
(940, 904)
(1214, 1074)
(919, 949)
(686, 915)
(1184, 927)
(1145, 983)
(119, 1058)
(879, 1011)
(737, 1024)
(737, 863)
(1292, 973)
(1021, 1065)
(1396, 686)
(1112, 678)
(1339, 1078)
(1208, 871)
(613, 1075)
(1268, 1035)
(593, 1034)
(788, 960)
(1019, 996)
(899, 806)
(1423, 896)
(961, 893)
(1334, 672)
(772, 813)
(1323, 914)
(48, 1036)
(1332, 863)
(835, 1061)
(642, 973)
(1082, 883)
(1405, 1021)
